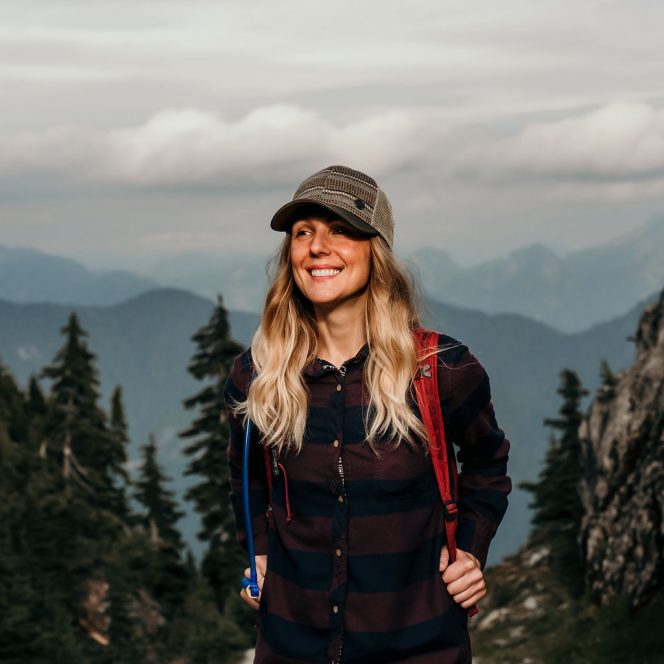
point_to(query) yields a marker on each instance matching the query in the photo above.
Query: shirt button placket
(340, 535)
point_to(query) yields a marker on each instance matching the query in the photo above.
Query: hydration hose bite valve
(252, 582)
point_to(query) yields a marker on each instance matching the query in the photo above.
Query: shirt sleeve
(235, 390)
(483, 452)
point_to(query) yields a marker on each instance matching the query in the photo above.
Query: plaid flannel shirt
(353, 539)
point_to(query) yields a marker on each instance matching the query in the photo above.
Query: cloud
(617, 143)
(193, 146)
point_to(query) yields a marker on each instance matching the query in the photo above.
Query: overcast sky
(150, 128)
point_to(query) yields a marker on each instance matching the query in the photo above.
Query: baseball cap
(352, 195)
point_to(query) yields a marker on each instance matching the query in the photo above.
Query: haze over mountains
(569, 293)
(27, 275)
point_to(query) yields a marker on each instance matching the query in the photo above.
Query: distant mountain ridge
(568, 293)
(27, 275)
(145, 345)
(242, 277)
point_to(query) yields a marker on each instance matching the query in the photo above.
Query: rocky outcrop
(623, 491)
(530, 615)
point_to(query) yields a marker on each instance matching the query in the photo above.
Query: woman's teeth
(324, 273)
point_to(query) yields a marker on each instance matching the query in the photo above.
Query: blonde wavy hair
(287, 339)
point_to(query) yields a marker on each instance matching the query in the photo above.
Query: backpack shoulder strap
(444, 463)
(428, 400)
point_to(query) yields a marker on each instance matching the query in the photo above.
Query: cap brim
(287, 214)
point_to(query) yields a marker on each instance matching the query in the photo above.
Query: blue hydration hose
(252, 582)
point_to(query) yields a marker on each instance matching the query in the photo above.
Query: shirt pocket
(403, 473)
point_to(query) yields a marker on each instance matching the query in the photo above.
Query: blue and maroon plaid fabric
(353, 575)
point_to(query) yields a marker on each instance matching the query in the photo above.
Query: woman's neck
(341, 332)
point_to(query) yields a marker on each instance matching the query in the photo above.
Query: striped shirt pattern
(353, 575)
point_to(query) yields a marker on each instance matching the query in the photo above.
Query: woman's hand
(464, 578)
(261, 567)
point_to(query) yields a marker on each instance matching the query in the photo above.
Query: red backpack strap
(426, 388)
(444, 463)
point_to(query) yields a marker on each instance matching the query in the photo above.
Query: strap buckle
(451, 510)
(424, 371)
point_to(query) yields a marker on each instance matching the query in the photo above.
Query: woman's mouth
(324, 272)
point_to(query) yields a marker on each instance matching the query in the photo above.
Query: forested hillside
(93, 567)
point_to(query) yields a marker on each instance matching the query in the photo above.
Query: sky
(134, 130)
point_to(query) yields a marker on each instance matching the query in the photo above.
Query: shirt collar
(317, 368)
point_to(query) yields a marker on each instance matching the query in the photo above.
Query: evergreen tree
(118, 427)
(118, 420)
(170, 579)
(36, 400)
(202, 635)
(556, 501)
(161, 511)
(77, 431)
(36, 410)
(608, 382)
(223, 560)
(83, 505)
(12, 406)
(36, 624)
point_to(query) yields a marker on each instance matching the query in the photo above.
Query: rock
(517, 632)
(248, 657)
(623, 489)
(530, 603)
(537, 556)
(493, 617)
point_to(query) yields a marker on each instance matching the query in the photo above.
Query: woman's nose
(319, 244)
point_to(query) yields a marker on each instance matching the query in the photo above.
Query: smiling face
(331, 262)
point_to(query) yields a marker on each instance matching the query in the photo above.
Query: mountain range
(569, 293)
(27, 275)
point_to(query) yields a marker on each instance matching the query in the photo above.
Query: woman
(350, 544)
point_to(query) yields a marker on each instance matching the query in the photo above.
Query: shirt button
(341, 498)
(336, 443)
(338, 387)
(338, 552)
(335, 609)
